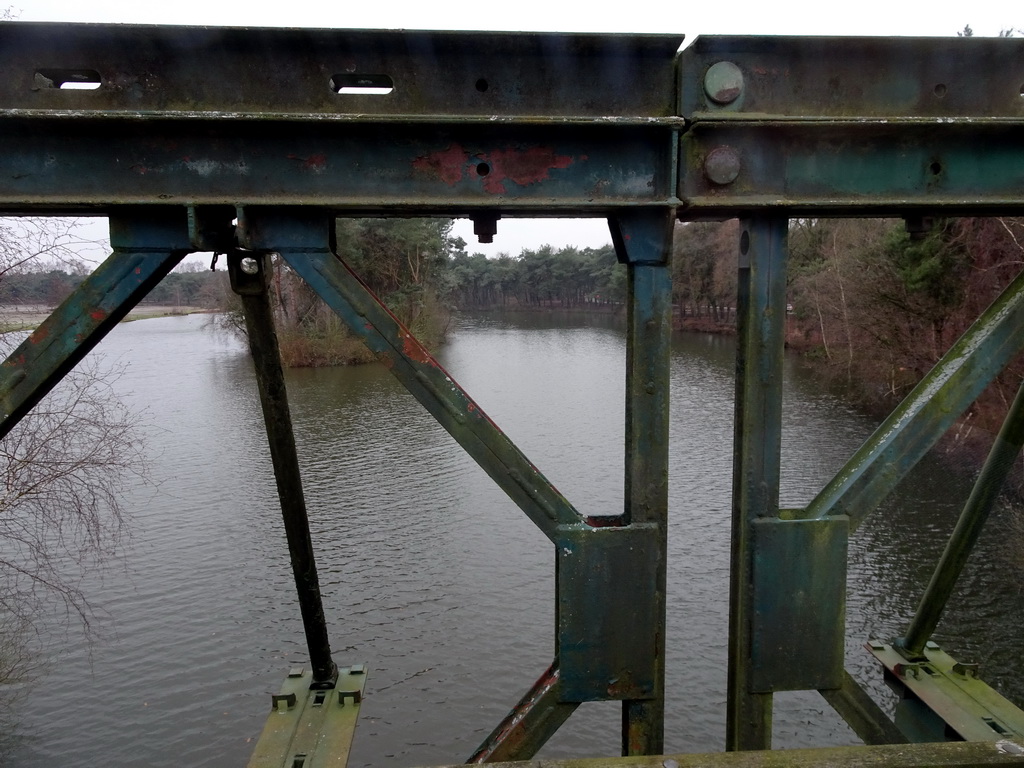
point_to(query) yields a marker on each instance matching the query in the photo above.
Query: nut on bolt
(722, 165)
(723, 82)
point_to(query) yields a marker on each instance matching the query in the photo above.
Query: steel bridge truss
(250, 142)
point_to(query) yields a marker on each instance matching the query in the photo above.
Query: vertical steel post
(760, 312)
(1001, 457)
(643, 240)
(249, 279)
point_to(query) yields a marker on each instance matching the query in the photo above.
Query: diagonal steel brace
(147, 244)
(303, 239)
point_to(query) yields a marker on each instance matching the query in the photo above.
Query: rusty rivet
(723, 82)
(722, 165)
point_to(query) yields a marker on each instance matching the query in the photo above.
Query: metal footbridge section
(252, 142)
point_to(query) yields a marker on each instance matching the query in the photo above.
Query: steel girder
(179, 130)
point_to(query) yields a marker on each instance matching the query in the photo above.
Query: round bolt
(249, 265)
(722, 165)
(723, 82)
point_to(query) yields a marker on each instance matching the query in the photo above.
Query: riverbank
(29, 316)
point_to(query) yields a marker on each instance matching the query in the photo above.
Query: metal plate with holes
(311, 728)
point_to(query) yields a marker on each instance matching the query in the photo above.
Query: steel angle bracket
(942, 699)
(311, 728)
(799, 617)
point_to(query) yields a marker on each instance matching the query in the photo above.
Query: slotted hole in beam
(366, 85)
(68, 79)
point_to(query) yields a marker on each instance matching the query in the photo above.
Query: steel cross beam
(345, 122)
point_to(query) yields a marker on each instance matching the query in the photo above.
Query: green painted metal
(1004, 453)
(529, 725)
(855, 78)
(928, 411)
(799, 604)
(943, 699)
(643, 241)
(147, 244)
(871, 724)
(952, 755)
(250, 279)
(609, 613)
(826, 167)
(208, 71)
(760, 312)
(497, 125)
(308, 727)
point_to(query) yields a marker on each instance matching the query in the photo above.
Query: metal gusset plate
(311, 728)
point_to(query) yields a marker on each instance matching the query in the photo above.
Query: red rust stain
(521, 166)
(138, 270)
(98, 315)
(449, 165)
(39, 334)
(314, 163)
(414, 350)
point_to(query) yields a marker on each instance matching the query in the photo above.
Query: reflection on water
(430, 575)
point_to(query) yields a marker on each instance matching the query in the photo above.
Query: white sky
(760, 17)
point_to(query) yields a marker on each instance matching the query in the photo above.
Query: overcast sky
(764, 17)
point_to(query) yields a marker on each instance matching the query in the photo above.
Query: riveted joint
(723, 83)
(722, 165)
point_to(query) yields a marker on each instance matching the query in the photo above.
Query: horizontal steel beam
(851, 78)
(865, 168)
(325, 72)
(99, 164)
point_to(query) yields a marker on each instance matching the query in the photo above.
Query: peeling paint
(415, 351)
(315, 163)
(521, 166)
(449, 165)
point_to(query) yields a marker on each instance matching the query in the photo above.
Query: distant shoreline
(30, 316)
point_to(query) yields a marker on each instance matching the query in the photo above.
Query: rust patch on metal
(315, 163)
(39, 334)
(414, 350)
(449, 165)
(98, 315)
(521, 166)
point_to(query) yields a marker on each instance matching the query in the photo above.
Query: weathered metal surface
(233, 71)
(855, 78)
(1003, 454)
(490, 125)
(93, 164)
(822, 168)
(310, 728)
(861, 713)
(917, 423)
(530, 724)
(608, 612)
(760, 311)
(799, 602)
(147, 244)
(643, 241)
(943, 699)
(250, 279)
(1008, 752)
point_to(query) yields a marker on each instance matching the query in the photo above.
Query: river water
(430, 575)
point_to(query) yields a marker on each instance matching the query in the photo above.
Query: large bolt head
(722, 165)
(723, 82)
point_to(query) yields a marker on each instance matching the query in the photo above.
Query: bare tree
(62, 471)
